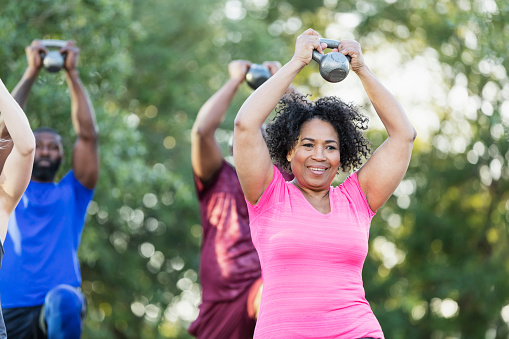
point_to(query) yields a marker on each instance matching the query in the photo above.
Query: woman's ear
(291, 152)
(289, 156)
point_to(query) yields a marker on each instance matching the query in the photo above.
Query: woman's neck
(318, 198)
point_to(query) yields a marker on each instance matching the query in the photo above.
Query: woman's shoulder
(274, 192)
(350, 190)
(349, 182)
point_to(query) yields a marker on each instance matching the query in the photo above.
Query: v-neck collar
(311, 205)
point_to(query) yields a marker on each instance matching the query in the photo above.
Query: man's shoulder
(224, 180)
(69, 179)
(65, 179)
(68, 183)
(226, 174)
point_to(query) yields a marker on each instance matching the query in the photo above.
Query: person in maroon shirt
(230, 272)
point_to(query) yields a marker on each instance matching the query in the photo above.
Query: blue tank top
(42, 241)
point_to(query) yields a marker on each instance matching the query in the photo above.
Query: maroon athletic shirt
(229, 264)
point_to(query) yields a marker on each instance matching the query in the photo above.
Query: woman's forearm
(16, 122)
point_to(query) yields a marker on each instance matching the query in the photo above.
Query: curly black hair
(295, 109)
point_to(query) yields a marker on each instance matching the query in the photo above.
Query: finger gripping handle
(334, 44)
(330, 43)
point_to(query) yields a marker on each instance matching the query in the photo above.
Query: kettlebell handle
(53, 43)
(330, 44)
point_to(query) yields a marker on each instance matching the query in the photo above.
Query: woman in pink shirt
(312, 238)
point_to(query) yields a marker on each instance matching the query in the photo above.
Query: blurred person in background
(41, 278)
(230, 273)
(17, 167)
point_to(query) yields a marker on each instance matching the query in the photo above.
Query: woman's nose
(318, 154)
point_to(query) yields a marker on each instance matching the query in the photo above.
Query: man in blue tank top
(40, 280)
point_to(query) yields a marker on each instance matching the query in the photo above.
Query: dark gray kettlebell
(334, 66)
(53, 61)
(257, 75)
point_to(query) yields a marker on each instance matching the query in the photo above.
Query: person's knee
(64, 308)
(64, 298)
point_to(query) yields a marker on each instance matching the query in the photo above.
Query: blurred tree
(437, 264)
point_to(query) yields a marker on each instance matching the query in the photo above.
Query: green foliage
(451, 223)
(437, 264)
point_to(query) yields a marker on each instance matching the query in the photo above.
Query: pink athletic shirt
(312, 263)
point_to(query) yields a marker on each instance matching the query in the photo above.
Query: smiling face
(315, 159)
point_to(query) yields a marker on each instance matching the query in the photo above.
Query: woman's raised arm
(383, 172)
(250, 153)
(17, 169)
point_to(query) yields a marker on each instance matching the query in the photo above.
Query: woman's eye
(331, 148)
(308, 145)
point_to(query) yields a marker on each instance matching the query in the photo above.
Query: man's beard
(45, 173)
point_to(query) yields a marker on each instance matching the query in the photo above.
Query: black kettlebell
(257, 75)
(334, 66)
(53, 61)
